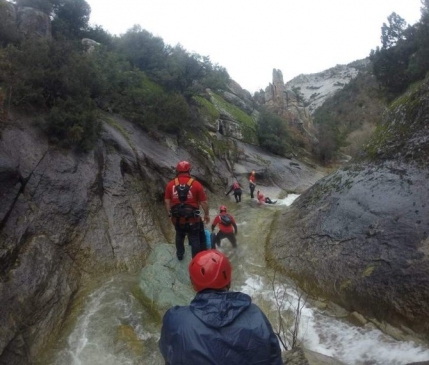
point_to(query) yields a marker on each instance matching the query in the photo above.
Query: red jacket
(222, 227)
(196, 194)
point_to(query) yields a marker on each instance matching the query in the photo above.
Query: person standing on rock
(252, 183)
(183, 198)
(219, 327)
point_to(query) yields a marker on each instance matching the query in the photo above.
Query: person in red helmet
(183, 198)
(237, 191)
(219, 326)
(264, 199)
(227, 227)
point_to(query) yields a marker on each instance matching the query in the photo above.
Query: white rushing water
(322, 333)
(111, 327)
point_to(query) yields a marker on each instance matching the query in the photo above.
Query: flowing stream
(109, 325)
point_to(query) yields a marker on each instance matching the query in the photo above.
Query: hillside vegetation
(348, 119)
(136, 75)
(165, 88)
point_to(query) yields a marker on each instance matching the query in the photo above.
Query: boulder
(33, 22)
(302, 356)
(360, 236)
(164, 281)
(89, 44)
(7, 13)
(66, 216)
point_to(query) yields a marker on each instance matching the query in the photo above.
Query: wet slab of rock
(301, 356)
(164, 281)
(359, 237)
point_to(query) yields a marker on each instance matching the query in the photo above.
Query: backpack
(226, 219)
(236, 186)
(182, 209)
(183, 189)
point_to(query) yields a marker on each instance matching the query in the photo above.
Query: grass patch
(207, 108)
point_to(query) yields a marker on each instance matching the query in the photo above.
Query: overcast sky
(250, 38)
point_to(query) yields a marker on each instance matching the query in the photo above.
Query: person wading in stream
(227, 227)
(219, 327)
(237, 191)
(183, 197)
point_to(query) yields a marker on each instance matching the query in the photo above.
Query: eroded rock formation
(360, 236)
(66, 216)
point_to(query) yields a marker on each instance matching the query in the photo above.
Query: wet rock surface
(360, 238)
(66, 216)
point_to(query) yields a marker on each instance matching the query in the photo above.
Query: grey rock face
(316, 88)
(31, 21)
(164, 281)
(27, 20)
(272, 170)
(89, 44)
(235, 100)
(228, 125)
(65, 216)
(360, 238)
(285, 103)
(301, 356)
(7, 13)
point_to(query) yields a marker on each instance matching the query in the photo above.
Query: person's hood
(219, 308)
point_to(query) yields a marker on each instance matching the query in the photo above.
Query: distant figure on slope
(264, 199)
(219, 327)
(227, 227)
(252, 183)
(237, 191)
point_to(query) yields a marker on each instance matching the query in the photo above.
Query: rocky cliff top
(316, 88)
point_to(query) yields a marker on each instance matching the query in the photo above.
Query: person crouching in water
(264, 199)
(219, 327)
(227, 227)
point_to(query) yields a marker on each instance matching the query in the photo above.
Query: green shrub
(207, 108)
(73, 123)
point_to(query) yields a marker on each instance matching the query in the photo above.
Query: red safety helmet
(210, 269)
(222, 209)
(183, 166)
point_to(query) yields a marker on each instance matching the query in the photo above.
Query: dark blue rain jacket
(218, 328)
